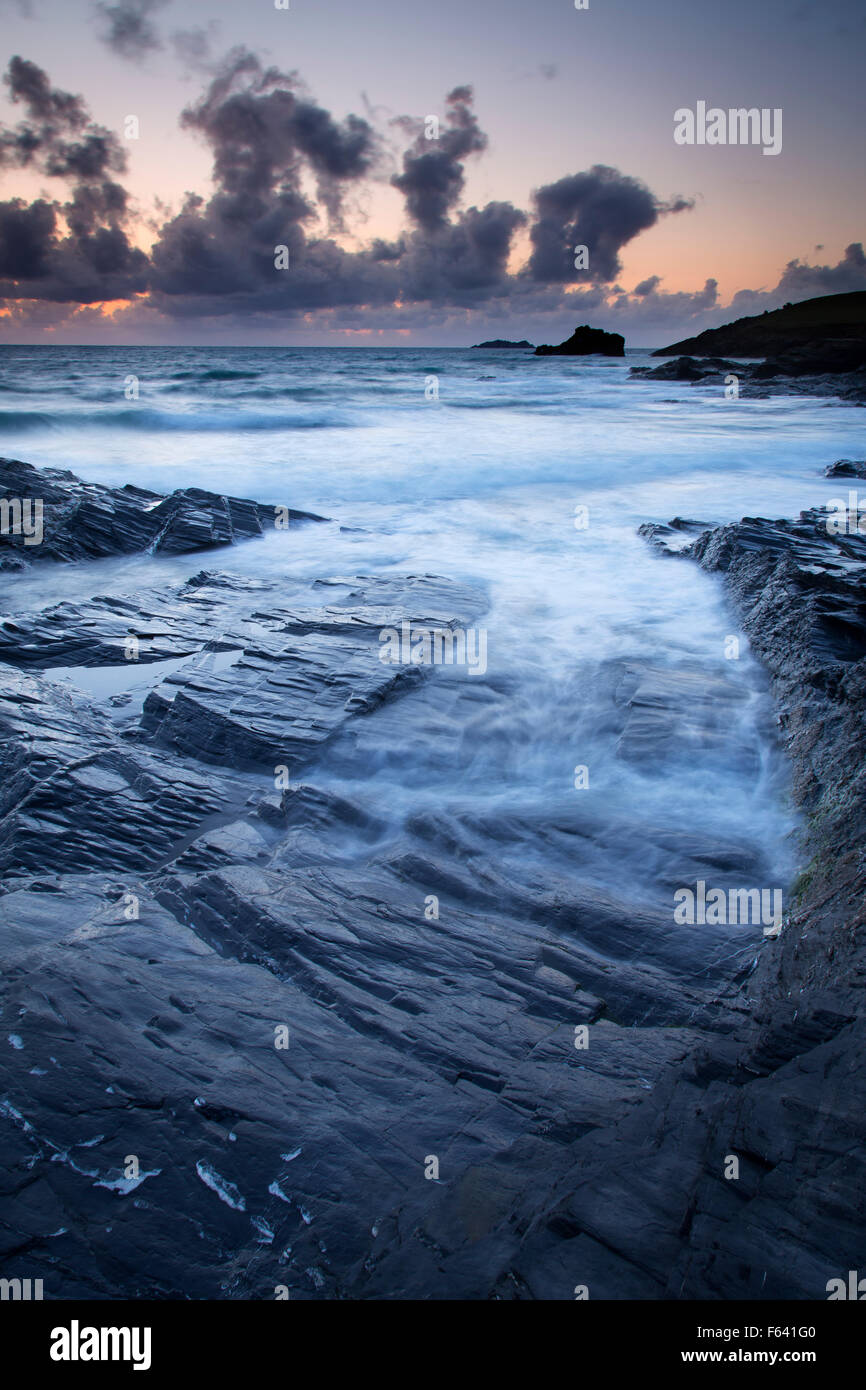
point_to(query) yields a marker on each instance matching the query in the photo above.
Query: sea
(527, 477)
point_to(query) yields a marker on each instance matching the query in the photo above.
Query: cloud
(649, 303)
(647, 286)
(799, 280)
(263, 130)
(95, 259)
(284, 170)
(193, 47)
(127, 28)
(432, 177)
(265, 134)
(57, 136)
(601, 209)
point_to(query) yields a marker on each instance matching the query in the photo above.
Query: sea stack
(585, 341)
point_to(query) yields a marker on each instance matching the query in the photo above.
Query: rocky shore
(816, 347)
(283, 1007)
(640, 1206)
(86, 521)
(819, 371)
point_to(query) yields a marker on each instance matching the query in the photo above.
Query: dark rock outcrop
(503, 343)
(86, 520)
(846, 468)
(686, 369)
(826, 356)
(816, 347)
(821, 370)
(584, 342)
(827, 318)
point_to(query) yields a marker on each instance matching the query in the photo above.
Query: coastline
(695, 1058)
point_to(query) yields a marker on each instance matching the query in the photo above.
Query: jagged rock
(673, 537)
(167, 912)
(640, 1207)
(86, 520)
(814, 359)
(685, 369)
(846, 468)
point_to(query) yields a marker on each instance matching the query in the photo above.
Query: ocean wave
(157, 421)
(24, 420)
(216, 374)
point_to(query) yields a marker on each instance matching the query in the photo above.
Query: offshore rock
(585, 341)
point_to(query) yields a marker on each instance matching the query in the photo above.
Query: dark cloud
(432, 177)
(94, 262)
(265, 133)
(57, 137)
(95, 259)
(194, 46)
(128, 29)
(213, 261)
(50, 111)
(647, 286)
(800, 280)
(218, 257)
(601, 209)
(263, 130)
(464, 262)
(26, 235)
(648, 302)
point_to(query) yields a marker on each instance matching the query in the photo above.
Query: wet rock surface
(86, 520)
(847, 468)
(832, 370)
(645, 1210)
(283, 1000)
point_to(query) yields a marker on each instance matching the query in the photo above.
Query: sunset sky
(559, 127)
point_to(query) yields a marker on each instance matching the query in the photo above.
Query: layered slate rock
(94, 783)
(246, 984)
(76, 796)
(826, 370)
(167, 907)
(645, 1209)
(815, 348)
(686, 369)
(87, 520)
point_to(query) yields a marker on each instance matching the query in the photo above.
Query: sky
(155, 154)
